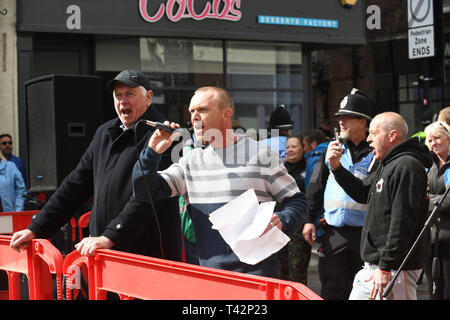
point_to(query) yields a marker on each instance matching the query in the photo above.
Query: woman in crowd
(294, 258)
(12, 187)
(438, 141)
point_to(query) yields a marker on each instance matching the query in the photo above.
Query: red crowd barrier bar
(75, 266)
(38, 262)
(43, 260)
(142, 277)
(83, 222)
(11, 222)
(14, 263)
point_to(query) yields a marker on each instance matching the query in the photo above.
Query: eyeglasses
(7, 142)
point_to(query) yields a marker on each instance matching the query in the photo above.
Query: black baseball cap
(131, 78)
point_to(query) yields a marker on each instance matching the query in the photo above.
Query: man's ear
(228, 114)
(149, 97)
(393, 135)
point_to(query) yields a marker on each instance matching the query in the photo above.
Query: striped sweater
(209, 178)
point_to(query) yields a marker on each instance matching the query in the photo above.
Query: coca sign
(175, 10)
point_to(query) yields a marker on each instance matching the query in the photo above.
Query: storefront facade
(417, 88)
(258, 50)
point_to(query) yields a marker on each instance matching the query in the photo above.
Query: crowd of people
(362, 192)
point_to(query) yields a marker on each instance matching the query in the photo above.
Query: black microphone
(158, 125)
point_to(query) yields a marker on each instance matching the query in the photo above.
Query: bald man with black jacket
(396, 195)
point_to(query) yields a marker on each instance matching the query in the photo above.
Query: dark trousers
(443, 283)
(294, 259)
(337, 268)
(190, 251)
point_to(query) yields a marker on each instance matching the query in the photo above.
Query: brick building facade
(381, 68)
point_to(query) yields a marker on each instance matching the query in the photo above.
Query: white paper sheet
(241, 223)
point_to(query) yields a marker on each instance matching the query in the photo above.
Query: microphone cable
(147, 188)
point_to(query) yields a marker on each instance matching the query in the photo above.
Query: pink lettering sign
(175, 10)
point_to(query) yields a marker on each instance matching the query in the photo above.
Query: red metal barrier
(83, 222)
(75, 266)
(38, 262)
(135, 276)
(73, 224)
(11, 222)
(43, 260)
(14, 263)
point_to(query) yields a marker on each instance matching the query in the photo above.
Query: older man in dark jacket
(117, 220)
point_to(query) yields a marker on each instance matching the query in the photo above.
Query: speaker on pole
(63, 113)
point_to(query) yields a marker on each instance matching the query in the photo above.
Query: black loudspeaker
(63, 113)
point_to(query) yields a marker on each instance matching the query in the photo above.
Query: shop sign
(185, 9)
(249, 20)
(298, 22)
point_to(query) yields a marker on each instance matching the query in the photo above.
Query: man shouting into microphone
(209, 178)
(117, 220)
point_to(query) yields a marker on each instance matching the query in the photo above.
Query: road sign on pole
(420, 29)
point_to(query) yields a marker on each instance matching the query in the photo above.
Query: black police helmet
(357, 104)
(280, 119)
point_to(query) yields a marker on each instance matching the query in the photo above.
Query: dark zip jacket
(436, 181)
(104, 171)
(396, 194)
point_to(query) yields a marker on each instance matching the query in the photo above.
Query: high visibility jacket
(339, 208)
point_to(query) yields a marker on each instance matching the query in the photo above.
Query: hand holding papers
(241, 223)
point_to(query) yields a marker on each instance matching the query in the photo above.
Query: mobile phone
(336, 133)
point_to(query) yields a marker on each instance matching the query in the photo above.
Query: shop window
(407, 88)
(253, 108)
(262, 76)
(259, 75)
(117, 54)
(181, 56)
(263, 65)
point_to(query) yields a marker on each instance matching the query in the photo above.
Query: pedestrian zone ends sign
(420, 29)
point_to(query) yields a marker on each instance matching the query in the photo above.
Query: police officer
(280, 126)
(342, 217)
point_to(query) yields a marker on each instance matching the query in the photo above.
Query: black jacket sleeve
(146, 180)
(316, 188)
(356, 188)
(75, 190)
(293, 213)
(145, 219)
(142, 230)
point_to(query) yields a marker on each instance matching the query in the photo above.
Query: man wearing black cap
(339, 255)
(117, 219)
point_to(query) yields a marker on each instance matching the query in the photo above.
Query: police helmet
(357, 104)
(280, 119)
